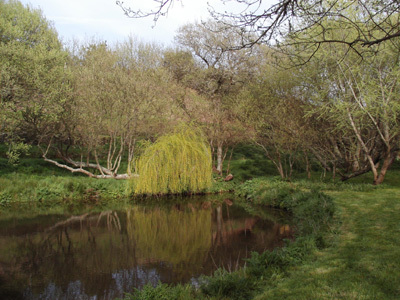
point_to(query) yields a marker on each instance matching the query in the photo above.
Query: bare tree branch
(373, 22)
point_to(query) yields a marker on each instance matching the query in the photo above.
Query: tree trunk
(387, 162)
(90, 174)
(364, 147)
(279, 166)
(229, 163)
(321, 160)
(366, 169)
(334, 171)
(219, 158)
(308, 167)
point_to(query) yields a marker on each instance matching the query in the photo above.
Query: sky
(105, 20)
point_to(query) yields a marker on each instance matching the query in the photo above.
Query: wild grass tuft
(270, 263)
(162, 292)
(227, 285)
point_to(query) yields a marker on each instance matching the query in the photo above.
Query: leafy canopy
(33, 80)
(177, 163)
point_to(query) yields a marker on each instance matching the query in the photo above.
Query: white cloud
(105, 20)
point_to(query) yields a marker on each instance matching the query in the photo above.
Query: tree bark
(364, 147)
(86, 172)
(308, 166)
(387, 162)
(219, 157)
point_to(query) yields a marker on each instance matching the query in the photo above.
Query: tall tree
(34, 84)
(177, 163)
(216, 74)
(272, 105)
(119, 97)
(360, 102)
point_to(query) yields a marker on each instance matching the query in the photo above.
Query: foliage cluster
(177, 163)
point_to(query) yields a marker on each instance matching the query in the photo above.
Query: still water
(102, 255)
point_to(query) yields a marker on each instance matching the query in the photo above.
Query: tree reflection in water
(101, 256)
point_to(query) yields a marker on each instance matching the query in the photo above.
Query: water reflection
(103, 255)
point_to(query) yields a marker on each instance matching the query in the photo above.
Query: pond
(102, 255)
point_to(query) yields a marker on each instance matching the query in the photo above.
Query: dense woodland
(94, 108)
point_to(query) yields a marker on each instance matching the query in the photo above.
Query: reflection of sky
(75, 290)
(195, 281)
(124, 281)
(127, 280)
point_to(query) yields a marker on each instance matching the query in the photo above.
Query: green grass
(249, 161)
(363, 260)
(162, 292)
(37, 185)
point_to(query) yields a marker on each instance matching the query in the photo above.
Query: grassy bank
(363, 258)
(34, 184)
(347, 236)
(353, 255)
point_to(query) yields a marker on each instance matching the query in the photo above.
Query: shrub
(313, 212)
(5, 199)
(234, 285)
(279, 259)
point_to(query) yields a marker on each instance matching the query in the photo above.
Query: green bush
(313, 212)
(224, 284)
(248, 162)
(248, 189)
(5, 199)
(176, 163)
(273, 262)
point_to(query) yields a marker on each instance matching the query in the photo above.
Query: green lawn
(364, 258)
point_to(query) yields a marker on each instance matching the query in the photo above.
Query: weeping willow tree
(176, 163)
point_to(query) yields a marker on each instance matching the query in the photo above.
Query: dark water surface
(102, 255)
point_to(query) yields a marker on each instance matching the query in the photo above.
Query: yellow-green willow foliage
(176, 163)
(181, 238)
